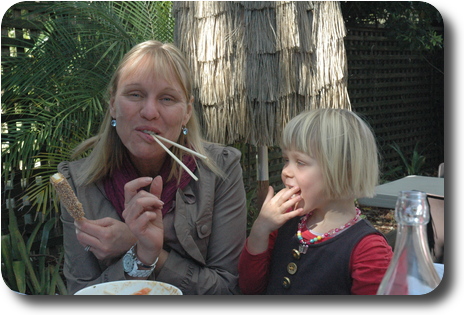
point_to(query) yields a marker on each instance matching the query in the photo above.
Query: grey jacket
(204, 234)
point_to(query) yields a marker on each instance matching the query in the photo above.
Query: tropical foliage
(31, 271)
(412, 22)
(53, 98)
(54, 94)
(414, 165)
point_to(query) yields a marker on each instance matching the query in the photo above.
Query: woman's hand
(274, 213)
(108, 238)
(143, 216)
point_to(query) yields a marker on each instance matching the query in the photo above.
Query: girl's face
(148, 102)
(303, 171)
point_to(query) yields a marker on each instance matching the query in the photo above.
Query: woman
(147, 218)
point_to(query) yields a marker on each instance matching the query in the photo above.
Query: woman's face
(303, 171)
(148, 102)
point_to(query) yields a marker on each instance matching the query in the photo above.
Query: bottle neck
(412, 257)
(413, 239)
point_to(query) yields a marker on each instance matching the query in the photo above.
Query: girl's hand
(143, 216)
(108, 238)
(274, 213)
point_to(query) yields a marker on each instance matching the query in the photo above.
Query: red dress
(368, 264)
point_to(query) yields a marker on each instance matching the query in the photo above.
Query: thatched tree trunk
(258, 64)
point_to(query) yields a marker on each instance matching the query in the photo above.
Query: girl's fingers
(291, 203)
(286, 198)
(270, 194)
(295, 213)
(290, 192)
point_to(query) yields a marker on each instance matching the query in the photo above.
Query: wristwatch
(131, 265)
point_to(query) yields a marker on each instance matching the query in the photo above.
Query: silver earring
(113, 122)
(185, 130)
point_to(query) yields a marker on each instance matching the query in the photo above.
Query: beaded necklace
(304, 244)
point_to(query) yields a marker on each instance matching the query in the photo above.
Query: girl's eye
(301, 163)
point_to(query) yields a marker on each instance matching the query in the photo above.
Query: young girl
(309, 238)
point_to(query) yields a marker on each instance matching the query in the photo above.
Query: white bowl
(131, 287)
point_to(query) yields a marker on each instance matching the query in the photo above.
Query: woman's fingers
(156, 186)
(139, 205)
(107, 237)
(132, 188)
(144, 221)
(138, 201)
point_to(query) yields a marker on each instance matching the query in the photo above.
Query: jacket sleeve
(220, 236)
(81, 268)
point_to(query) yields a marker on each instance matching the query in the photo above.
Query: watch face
(128, 262)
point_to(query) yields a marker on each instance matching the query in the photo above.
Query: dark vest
(324, 269)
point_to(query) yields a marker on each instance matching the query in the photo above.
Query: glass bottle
(411, 270)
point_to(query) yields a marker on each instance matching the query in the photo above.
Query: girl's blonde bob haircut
(109, 153)
(344, 147)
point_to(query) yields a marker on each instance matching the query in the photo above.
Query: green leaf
(7, 263)
(19, 241)
(20, 275)
(32, 237)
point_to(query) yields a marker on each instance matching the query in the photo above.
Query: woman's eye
(134, 95)
(168, 100)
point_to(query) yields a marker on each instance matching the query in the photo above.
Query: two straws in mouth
(158, 138)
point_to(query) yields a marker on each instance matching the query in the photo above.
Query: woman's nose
(150, 109)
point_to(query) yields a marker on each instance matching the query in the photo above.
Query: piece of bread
(67, 196)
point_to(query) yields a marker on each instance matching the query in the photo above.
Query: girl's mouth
(294, 196)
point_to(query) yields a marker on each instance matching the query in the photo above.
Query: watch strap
(136, 272)
(140, 273)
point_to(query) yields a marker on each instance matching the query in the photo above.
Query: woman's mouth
(150, 132)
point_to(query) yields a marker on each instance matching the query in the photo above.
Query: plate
(131, 287)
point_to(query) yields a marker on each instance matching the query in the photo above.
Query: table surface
(387, 194)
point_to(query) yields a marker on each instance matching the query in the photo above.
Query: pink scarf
(114, 186)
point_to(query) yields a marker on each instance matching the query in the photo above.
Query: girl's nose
(287, 171)
(150, 110)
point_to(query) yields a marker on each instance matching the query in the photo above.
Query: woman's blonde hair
(344, 147)
(108, 152)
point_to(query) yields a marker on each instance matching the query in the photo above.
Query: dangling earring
(113, 122)
(185, 130)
